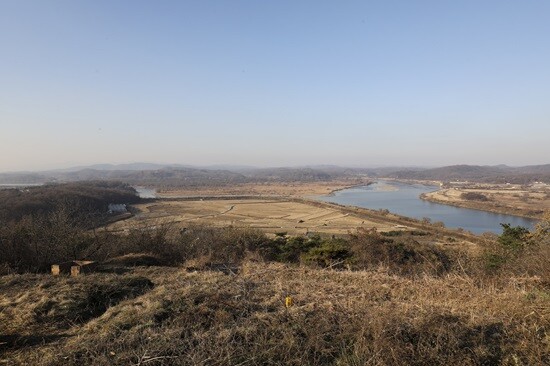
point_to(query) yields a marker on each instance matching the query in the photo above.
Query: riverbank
(403, 199)
(363, 184)
(273, 215)
(523, 203)
(287, 189)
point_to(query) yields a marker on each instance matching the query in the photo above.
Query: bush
(474, 196)
(406, 256)
(507, 246)
(290, 250)
(513, 237)
(519, 252)
(329, 253)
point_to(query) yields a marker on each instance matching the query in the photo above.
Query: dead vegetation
(271, 215)
(38, 309)
(265, 189)
(216, 296)
(367, 317)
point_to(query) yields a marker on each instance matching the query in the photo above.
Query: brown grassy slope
(342, 318)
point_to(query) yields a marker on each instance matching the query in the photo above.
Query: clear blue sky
(274, 83)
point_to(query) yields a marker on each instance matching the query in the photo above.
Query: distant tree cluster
(474, 196)
(473, 173)
(84, 198)
(171, 177)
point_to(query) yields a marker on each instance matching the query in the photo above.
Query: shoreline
(504, 210)
(312, 195)
(331, 193)
(359, 217)
(265, 189)
(470, 205)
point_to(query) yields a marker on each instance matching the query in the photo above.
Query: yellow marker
(288, 301)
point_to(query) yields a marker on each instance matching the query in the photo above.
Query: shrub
(513, 237)
(519, 252)
(222, 245)
(474, 196)
(291, 249)
(406, 256)
(329, 253)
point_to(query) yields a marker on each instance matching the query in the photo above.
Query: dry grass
(268, 215)
(340, 318)
(37, 309)
(296, 189)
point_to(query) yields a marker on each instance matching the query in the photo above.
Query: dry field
(295, 189)
(522, 202)
(269, 215)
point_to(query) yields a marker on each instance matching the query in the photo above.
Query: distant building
(117, 208)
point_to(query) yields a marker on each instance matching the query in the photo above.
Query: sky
(274, 83)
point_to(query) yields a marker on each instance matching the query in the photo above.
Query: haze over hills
(489, 174)
(182, 176)
(185, 175)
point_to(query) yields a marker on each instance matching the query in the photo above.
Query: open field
(527, 202)
(269, 215)
(293, 189)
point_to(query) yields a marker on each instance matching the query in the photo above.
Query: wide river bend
(403, 199)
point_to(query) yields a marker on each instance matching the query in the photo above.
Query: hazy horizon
(392, 83)
(121, 166)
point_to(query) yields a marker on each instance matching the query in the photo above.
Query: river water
(403, 199)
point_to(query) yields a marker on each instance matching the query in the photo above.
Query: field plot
(271, 216)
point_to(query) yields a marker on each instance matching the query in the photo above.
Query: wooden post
(75, 270)
(55, 269)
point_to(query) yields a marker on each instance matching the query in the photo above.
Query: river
(403, 199)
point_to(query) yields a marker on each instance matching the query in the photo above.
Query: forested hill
(476, 173)
(183, 176)
(85, 199)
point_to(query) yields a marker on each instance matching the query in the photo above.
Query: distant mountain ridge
(174, 175)
(478, 173)
(126, 166)
(178, 176)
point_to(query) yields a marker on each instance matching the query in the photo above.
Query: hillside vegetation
(234, 296)
(169, 316)
(475, 173)
(184, 176)
(174, 177)
(215, 296)
(81, 198)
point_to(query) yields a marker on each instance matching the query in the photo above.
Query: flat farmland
(269, 215)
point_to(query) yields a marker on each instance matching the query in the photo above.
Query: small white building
(117, 208)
